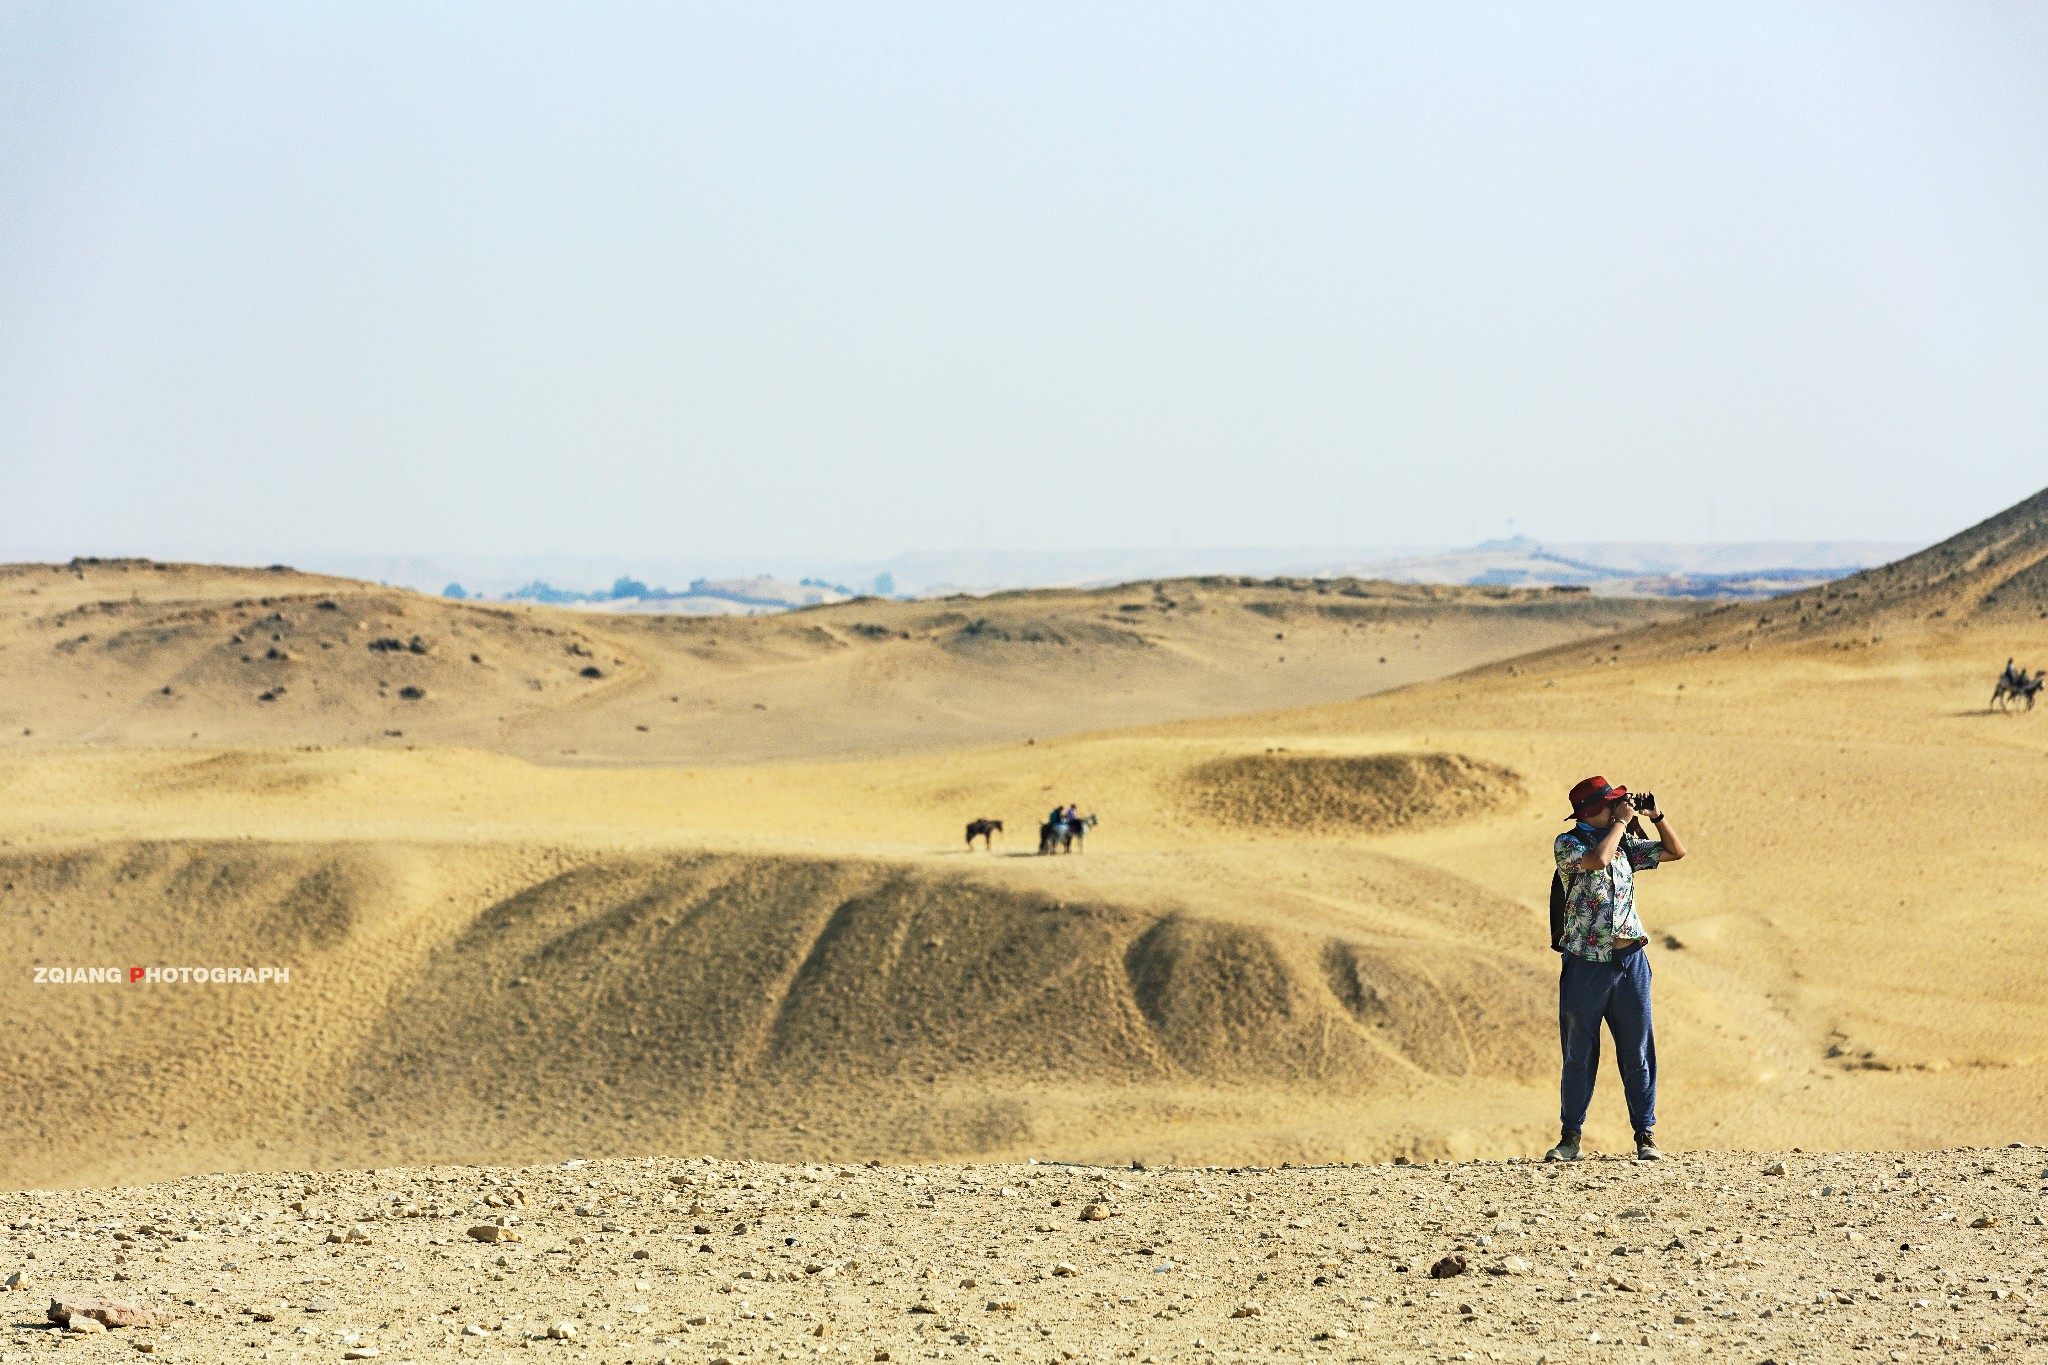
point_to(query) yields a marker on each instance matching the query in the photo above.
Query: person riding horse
(2016, 684)
(1063, 829)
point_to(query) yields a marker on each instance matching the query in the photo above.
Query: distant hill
(136, 652)
(1993, 576)
(1617, 568)
(1994, 572)
(1741, 569)
(703, 597)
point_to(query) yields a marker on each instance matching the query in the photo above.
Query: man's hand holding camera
(1618, 815)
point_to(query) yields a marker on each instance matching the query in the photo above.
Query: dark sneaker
(1646, 1148)
(1567, 1149)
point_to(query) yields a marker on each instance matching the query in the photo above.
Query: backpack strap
(1557, 906)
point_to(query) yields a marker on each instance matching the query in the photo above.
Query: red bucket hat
(1592, 794)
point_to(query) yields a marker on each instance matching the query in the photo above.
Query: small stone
(17, 1279)
(562, 1331)
(475, 1331)
(1984, 1220)
(1064, 1268)
(1514, 1265)
(361, 1353)
(1775, 1168)
(83, 1325)
(823, 1329)
(925, 1307)
(881, 1354)
(107, 1313)
(491, 1232)
(1247, 1310)
(148, 1348)
(1447, 1267)
(1002, 1305)
(1684, 1319)
(1095, 1213)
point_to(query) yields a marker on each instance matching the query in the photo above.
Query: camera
(1644, 802)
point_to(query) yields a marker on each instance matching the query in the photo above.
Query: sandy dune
(129, 652)
(1313, 933)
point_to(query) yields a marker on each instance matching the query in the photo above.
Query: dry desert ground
(1704, 1257)
(553, 887)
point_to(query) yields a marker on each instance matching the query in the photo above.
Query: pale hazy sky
(279, 280)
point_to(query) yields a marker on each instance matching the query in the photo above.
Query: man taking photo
(1606, 970)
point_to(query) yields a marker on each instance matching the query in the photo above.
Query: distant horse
(982, 829)
(2015, 684)
(1065, 836)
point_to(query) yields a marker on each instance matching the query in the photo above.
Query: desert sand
(134, 653)
(1309, 927)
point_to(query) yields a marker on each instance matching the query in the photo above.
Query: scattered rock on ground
(108, 1312)
(1228, 1275)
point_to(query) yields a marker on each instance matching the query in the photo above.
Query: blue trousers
(1618, 992)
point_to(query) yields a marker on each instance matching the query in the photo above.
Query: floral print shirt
(1600, 907)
